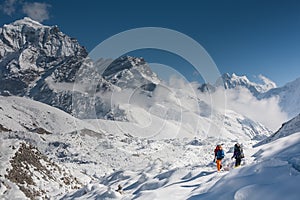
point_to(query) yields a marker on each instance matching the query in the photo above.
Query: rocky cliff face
(42, 63)
(131, 72)
(31, 53)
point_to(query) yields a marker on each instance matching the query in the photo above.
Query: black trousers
(238, 162)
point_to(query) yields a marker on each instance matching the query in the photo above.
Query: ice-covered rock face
(27, 33)
(290, 127)
(30, 51)
(43, 63)
(131, 72)
(30, 54)
(234, 81)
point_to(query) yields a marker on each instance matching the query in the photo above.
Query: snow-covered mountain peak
(235, 77)
(30, 53)
(122, 63)
(15, 35)
(269, 84)
(232, 81)
(130, 72)
(28, 21)
(28, 34)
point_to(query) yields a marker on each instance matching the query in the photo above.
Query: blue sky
(246, 37)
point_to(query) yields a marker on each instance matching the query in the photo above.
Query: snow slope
(270, 171)
(103, 154)
(26, 173)
(288, 128)
(26, 128)
(273, 174)
(21, 114)
(93, 150)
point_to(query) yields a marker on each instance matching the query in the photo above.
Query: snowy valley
(64, 138)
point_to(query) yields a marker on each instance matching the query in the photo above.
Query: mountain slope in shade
(129, 72)
(31, 53)
(43, 63)
(288, 128)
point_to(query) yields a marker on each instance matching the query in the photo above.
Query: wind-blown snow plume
(269, 84)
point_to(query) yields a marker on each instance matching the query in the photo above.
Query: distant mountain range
(42, 63)
(289, 94)
(233, 81)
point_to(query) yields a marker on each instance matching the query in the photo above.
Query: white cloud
(265, 111)
(37, 11)
(242, 101)
(9, 7)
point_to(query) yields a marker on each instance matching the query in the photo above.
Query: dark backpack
(239, 151)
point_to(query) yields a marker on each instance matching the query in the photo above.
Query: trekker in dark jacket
(238, 154)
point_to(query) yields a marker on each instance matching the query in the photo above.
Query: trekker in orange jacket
(219, 155)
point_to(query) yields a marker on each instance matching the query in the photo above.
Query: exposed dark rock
(27, 162)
